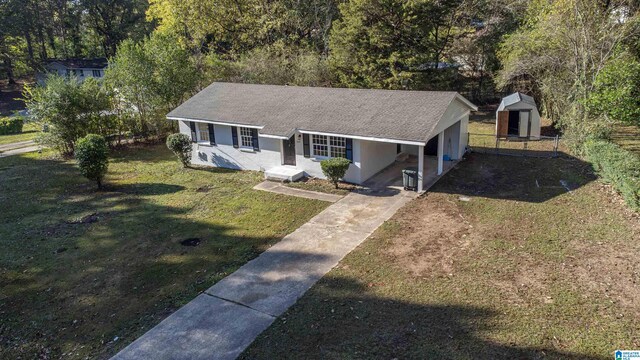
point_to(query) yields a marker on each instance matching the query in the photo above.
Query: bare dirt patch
(436, 232)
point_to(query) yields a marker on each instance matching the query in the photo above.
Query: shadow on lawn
(81, 267)
(338, 319)
(515, 178)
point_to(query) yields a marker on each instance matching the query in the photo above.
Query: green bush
(181, 145)
(334, 169)
(92, 154)
(11, 125)
(618, 167)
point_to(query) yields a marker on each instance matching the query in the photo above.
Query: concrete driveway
(226, 318)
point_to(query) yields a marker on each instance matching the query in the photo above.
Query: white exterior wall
(369, 157)
(375, 156)
(311, 165)
(223, 154)
(61, 70)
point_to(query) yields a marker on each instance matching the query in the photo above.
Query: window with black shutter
(212, 135)
(349, 149)
(254, 140)
(234, 136)
(194, 136)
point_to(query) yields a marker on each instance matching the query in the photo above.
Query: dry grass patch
(525, 269)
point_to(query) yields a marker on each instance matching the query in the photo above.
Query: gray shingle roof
(390, 114)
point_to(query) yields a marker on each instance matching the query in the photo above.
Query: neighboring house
(518, 116)
(287, 130)
(78, 68)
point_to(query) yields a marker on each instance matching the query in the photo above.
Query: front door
(289, 148)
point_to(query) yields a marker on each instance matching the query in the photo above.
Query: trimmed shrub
(334, 169)
(618, 167)
(181, 145)
(92, 154)
(12, 125)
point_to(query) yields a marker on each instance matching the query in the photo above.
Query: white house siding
(452, 141)
(223, 154)
(61, 70)
(375, 156)
(311, 165)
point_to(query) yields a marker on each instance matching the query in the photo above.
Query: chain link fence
(544, 146)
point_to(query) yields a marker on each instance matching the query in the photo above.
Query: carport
(432, 159)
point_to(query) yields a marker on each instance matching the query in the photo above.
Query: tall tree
(383, 43)
(116, 20)
(560, 52)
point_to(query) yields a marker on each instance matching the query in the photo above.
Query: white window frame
(245, 133)
(328, 142)
(96, 73)
(199, 133)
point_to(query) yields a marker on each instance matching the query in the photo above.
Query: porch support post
(440, 152)
(420, 167)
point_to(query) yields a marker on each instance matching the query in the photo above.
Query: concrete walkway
(279, 188)
(226, 318)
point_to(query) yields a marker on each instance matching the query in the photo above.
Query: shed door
(524, 123)
(503, 124)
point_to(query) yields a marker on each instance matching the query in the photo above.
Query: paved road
(15, 145)
(226, 318)
(17, 148)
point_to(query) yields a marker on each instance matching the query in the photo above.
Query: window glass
(320, 147)
(329, 146)
(203, 132)
(245, 137)
(96, 73)
(338, 146)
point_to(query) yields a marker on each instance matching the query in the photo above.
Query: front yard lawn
(497, 261)
(83, 273)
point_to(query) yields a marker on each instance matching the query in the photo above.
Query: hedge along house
(286, 131)
(518, 116)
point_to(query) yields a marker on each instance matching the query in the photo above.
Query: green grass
(29, 132)
(522, 270)
(79, 268)
(324, 186)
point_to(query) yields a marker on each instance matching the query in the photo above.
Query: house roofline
(176, 118)
(358, 137)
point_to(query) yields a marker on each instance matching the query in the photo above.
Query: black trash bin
(410, 178)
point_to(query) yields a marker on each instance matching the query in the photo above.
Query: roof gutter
(215, 122)
(368, 138)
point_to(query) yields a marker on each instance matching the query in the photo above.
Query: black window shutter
(305, 145)
(234, 136)
(193, 131)
(212, 135)
(349, 149)
(398, 148)
(254, 140)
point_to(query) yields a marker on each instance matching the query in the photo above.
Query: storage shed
(518, 116)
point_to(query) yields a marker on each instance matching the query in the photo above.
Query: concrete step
(284, 173)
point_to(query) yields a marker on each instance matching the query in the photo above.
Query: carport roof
(280, 110)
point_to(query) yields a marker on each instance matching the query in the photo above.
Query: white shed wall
(523, 105)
